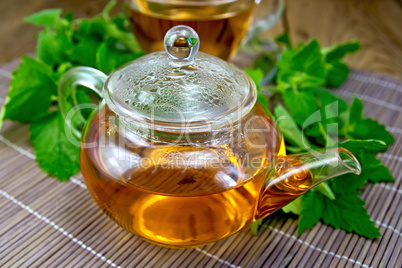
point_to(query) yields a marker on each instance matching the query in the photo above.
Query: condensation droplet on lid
(143, 97)
(190, 68)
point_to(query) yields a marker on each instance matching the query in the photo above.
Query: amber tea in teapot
(179, 151)
(178, 197)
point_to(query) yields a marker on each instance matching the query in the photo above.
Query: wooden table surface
(376, 24)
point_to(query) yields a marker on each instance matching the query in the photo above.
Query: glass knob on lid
(180, 85)
(181, 43)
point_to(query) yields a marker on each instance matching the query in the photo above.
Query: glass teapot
(180, 153)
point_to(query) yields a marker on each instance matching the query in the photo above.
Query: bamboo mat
(47, 223)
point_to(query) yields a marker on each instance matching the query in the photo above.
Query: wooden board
(376, 24)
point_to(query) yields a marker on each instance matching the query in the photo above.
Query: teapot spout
(293, 175)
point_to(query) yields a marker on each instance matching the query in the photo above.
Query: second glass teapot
(180, 153)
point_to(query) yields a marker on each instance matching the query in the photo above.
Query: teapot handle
(67, 97)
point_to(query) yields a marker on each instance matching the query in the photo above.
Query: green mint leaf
(54, 152)
(313, 209)
(297, 80)
(380, 173)
(80, 96)
(337, 73)
(301, 105)
(91, 28)
(371, 145)
(84, 50)
(327, 122)
(370, 129)
(332, 105)
(295, 206)
(266, 62)
(339, 51)
(30, 91)
(61, 69)
(3, 113)
(308, 59)
(311, 66)
(373, 169)
(365, 128)
(126, 38)
(53, 46)
(256, 75)
(348, 213)
(325, 190)
(356, 111)
(285, 59)
(108, 59)
(69, 16)
(337, 70)
(47, 17)
(83, 97)
(284, 38)
(348, 183)
(255, 226)
(122, 22)
(103, 28)
(290, 130)
(302, 67)
(108, 8)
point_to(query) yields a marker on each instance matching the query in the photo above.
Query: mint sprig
(102, 42)
(312, 117)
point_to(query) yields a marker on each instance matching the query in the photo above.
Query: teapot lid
(178, 84)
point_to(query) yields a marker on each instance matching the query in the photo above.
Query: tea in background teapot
(179, 152)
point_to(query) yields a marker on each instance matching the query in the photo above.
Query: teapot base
(178, 246)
